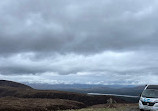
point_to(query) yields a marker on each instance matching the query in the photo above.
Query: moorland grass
(99, 109)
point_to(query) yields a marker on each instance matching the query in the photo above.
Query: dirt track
(133, 108)
(130, 107)
(119, 107)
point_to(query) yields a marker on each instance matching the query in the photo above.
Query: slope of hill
(113, 107)
(13, 89)
(26, 104)
(5, 83)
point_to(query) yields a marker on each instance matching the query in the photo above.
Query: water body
(113, 95)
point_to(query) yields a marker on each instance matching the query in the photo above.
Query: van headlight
(140, 102)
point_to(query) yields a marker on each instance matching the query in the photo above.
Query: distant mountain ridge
(132, 90)
(73, 86)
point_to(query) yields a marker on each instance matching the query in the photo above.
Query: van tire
(141, 110)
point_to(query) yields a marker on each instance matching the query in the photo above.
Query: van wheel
(141, 110)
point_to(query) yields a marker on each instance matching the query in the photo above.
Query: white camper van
(149, 98)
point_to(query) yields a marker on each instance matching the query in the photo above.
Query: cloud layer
(79, 40)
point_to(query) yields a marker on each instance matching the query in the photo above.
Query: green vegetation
(110, 107)
(99, 109)
(37, 104)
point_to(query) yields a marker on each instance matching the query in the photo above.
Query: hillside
(26, 104)
(27, 94)
(113, 107)
(5, 83)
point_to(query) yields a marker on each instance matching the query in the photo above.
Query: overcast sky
(79, 41)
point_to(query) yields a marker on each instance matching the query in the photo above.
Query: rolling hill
(13, 92)
(5, 83)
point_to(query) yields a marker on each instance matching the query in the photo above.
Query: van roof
(152, 87)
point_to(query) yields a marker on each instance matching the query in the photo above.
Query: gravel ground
(111, 107)
(130, 107)
(120, 107)
(133, 108)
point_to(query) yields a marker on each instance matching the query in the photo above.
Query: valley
(20, 97)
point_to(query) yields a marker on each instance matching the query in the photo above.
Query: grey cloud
(77, 26)
(79, 37)
(100, 64)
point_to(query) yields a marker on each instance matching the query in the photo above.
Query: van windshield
(150, 93)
